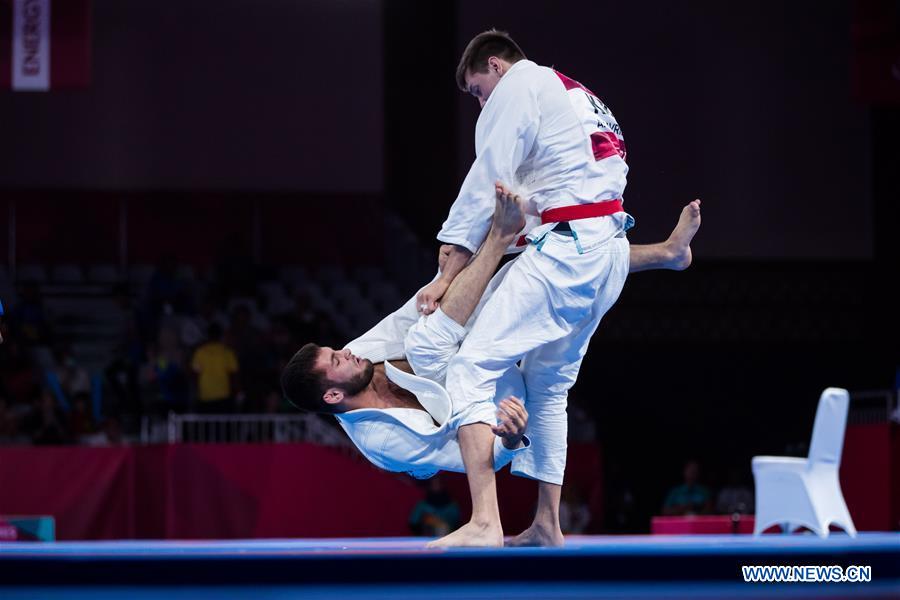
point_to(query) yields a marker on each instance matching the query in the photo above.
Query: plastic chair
(806, 492)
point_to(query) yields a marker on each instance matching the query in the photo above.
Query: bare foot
(508, 218)
(679, 242)
(538, 536)
(471, 535)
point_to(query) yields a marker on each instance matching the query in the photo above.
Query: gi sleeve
(504, 137)
(385, 341)
(422, 457)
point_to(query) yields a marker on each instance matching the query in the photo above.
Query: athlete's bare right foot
(471, 535)
(679, 242)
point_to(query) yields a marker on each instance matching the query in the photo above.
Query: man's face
(345, 371)
(481, 85)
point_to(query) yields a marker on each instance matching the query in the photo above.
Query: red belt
(577, 211)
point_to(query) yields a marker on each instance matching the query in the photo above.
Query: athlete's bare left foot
(539, 536)
(471, 535)
(679, 242)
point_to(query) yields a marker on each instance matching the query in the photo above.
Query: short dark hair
(303, 385)
(483, 46)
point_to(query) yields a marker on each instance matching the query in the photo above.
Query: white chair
(806, 492)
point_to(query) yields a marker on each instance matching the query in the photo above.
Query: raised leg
(673, 254)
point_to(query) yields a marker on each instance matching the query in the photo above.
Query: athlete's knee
(430, 344)
(420, 352)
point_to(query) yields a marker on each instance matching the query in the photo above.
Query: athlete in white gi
(561, 148)
(398, 413)
(386, 387)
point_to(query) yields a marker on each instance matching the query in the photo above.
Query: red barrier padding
(204, 491)
(237, 491)
(701, 524)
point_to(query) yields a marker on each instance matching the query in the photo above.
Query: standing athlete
(558, 146)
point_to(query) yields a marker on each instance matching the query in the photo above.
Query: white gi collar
(515, 68)
(430, 395)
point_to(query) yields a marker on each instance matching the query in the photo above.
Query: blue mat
(587, 567)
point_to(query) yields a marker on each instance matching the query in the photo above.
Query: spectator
(170, 371)
(574, 514)
(257, 363)
(29, 317)
(305, 323)
(113, 430)
(166, 293)
(109, 435)
(689, 498)
(281, 342)
(582, 427)
(80, 421)
(20, 378)
(736, 496)
(122, 372)
(72, 378)
(436, 514)
(622, 507)
(44, 422)
(8, 425)
(273, 402)
(194, 327)
(216, 368)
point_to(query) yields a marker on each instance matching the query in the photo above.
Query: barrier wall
(303, 490)
(204, 491)
(870, 476)
(235, 491)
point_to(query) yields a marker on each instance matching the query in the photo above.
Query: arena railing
(249, 428)
(870, 407)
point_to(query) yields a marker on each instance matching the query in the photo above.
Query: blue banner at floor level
(24, 528)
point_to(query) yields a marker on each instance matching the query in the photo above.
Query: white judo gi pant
(431, 342)
(542, 309)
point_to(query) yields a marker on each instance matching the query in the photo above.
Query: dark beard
(358, 383)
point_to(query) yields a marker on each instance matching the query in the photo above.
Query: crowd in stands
(179, 344)
(692, 497)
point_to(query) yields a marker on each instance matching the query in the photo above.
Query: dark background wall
(273, 95)
(746, 105)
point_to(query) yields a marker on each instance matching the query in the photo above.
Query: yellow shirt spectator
(214, 363)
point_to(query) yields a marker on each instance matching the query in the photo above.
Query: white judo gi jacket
(554, 142)
(409, 440)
